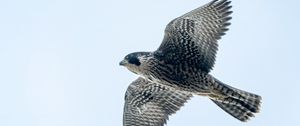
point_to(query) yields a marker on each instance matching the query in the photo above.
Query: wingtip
(221, 2)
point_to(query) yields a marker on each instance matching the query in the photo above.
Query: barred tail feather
(237, 110)
(238, 103)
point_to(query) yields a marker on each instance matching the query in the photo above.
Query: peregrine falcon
(182, 64)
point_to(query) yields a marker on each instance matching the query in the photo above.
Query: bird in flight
(180, 68)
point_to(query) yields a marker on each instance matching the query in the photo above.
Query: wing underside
(150, 104)
(191, 39)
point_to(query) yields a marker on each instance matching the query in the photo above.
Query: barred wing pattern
(150, 104)
(191, 39)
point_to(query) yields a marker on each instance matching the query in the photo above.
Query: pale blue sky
(59, 60)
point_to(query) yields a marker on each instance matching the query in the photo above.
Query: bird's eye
(134, 61)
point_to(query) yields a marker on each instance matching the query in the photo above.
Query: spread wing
(191, 39)
(150, 104)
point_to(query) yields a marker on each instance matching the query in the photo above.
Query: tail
(238, 103)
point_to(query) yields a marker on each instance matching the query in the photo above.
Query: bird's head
(135, 62)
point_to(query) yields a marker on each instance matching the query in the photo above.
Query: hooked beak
(123, 63)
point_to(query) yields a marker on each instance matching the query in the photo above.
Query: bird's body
(187, 55)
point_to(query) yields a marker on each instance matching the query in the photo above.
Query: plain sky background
(59, 60)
